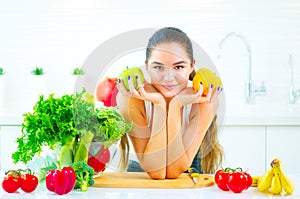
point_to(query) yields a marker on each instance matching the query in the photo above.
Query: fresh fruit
(265, 181)
(29, 182)
(234, 180)
(207, 77)
(276, 184)
(237, 182)
(221, 179)
(15, 179)
(255, 181)
(286, 183)
(11, 181)
(107, 91)
(274, 181)
(132, 73)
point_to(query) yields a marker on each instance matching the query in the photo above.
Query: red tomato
(237, 182)
(221, 179)
(249, 180)
(11, 183)
(29, 182)
(107, 91)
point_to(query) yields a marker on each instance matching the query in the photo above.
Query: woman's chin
(169, 93)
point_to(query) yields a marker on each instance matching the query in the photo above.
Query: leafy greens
(68, 125)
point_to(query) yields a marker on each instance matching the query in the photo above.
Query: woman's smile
(169, 87)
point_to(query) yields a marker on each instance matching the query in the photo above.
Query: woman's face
(169, 68)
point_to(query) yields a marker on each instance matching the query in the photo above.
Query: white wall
(59, 35)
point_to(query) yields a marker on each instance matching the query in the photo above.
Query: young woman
(174, 125)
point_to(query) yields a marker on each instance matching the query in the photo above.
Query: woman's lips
(169, 87)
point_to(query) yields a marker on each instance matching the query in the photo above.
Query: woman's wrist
(175, 103)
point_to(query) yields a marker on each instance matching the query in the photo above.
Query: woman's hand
(190, 96)
(145, 91)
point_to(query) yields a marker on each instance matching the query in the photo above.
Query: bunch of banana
(255, 181)
(274, 181)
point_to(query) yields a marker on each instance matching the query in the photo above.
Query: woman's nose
(169, 75)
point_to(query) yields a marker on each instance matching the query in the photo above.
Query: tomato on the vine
(234, 180)
(15, 179)
(221, 179)
(11, 181)
(237, 182)
(29, 182)
(249, 179)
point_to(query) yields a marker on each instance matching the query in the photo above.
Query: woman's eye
(158, 67)
(179, 67)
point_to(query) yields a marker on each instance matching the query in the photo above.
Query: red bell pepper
(61, 181)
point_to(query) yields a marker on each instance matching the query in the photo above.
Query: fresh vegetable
(237, 182)
(84, 175)
(107, 91)
(78, 71)
(206, 77)
(69, 125)
(11, 181)
(99, 159)
(221, 179)
(132, 73)
(61, 181)
(15, 179)
(38, 71)
(234, 180)
(2, 71)
(29, 182)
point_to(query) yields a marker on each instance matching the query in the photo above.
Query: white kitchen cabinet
(283, 142)
(244, 146)
(8, 136)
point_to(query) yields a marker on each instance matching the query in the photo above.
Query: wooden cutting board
(142, 180)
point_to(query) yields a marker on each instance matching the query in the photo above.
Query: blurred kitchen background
(247, 40)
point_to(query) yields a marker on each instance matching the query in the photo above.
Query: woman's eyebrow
(180, 62)
(156, 62)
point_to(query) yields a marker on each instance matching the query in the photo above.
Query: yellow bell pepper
(207, 77)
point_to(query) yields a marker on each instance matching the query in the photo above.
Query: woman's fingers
(200, 91)
(121, 87)
(216, 93)
(209, 94)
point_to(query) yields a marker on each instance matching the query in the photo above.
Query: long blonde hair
(211, 150)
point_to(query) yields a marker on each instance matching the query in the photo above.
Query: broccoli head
(84, 175)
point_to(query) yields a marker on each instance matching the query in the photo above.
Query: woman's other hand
(190, 96)
(145, 91)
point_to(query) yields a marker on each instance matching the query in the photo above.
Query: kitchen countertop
(137, 193)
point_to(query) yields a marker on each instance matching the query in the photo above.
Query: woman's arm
(183, 146)
(149, 141)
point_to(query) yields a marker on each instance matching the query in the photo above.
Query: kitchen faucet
(251, 89)
(294, 94)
